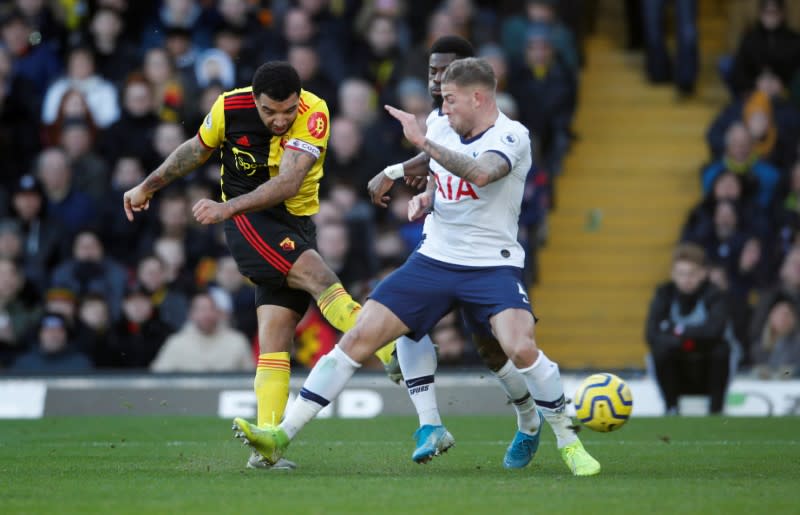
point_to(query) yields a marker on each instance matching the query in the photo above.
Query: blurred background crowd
(94, 94)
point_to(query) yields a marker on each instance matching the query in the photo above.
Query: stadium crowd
(95, 94)
(745, 313)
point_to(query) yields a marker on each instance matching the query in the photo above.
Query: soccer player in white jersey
(470, 256)
(417, 360)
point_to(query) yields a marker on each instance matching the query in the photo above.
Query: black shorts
(265, 245)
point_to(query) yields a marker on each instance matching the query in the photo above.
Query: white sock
(418, 363)
(324, 384)
(516, 389)
(544, 382)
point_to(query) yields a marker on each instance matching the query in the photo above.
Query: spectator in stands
(439, 24)
(771, 120)
(90, 171)
(214, 66)
(333, 244)
(100, 94)
(72, 108)
(476, 25)
(186, 15)
(740, 159)
(171, 252)
(231, 40)
(53, 351)
(540, 12)
(166, 138)
(95, 328)
(239, 291)
(777, 352)
(787, 288)
(737, 252)
(545, 92)
(494, 55)
(73, 208)
(305, 59)
(771, 45)
(377, 59)
(359, 216)
(347, 159)
(133, 133)
(660, 67)
(238, 17)
(169, 87)
(10, 240)
(38, 64)
(357, 101)
(19, 131)
(19, 312)
(172, 304)
(43, 242)
(199, 111)
(298, 28)
(115, 57)
(139, 334)
(786, 214)
(43, 18)
(205, 344)
(386, 143)
(89, 270)
(685, 331)
(117, 232)
(174, 213)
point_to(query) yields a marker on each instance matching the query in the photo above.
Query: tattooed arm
(295, 165)
(183, 160)
(489, 167)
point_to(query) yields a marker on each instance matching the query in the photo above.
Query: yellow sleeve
(311, 131)
(212, 130)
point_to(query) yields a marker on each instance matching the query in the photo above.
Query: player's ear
(478, 97)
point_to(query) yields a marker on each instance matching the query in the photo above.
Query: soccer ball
(603, 402)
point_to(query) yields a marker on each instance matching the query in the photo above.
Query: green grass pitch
(150, 465)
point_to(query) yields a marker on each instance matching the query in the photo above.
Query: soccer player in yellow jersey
(272, 138)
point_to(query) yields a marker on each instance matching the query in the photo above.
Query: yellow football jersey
(251, 155)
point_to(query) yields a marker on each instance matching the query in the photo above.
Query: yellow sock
(272, 386)
(339, 308)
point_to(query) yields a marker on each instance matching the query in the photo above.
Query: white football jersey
(474, 226)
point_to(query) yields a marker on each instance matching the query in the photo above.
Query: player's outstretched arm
(488, 168)
(189, 155)
(295, 165)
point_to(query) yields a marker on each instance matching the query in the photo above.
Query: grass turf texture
(192, 465)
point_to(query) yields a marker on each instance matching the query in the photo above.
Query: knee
(523, 353)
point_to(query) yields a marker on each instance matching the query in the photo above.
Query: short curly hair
(277, 79)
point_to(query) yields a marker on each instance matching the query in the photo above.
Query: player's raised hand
(207, 212)
(419, 205)
(135, 200)
(377, 188)
(411, 129)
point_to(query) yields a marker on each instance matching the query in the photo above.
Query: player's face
(459, 107)
(277, 116)
(437, 64)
